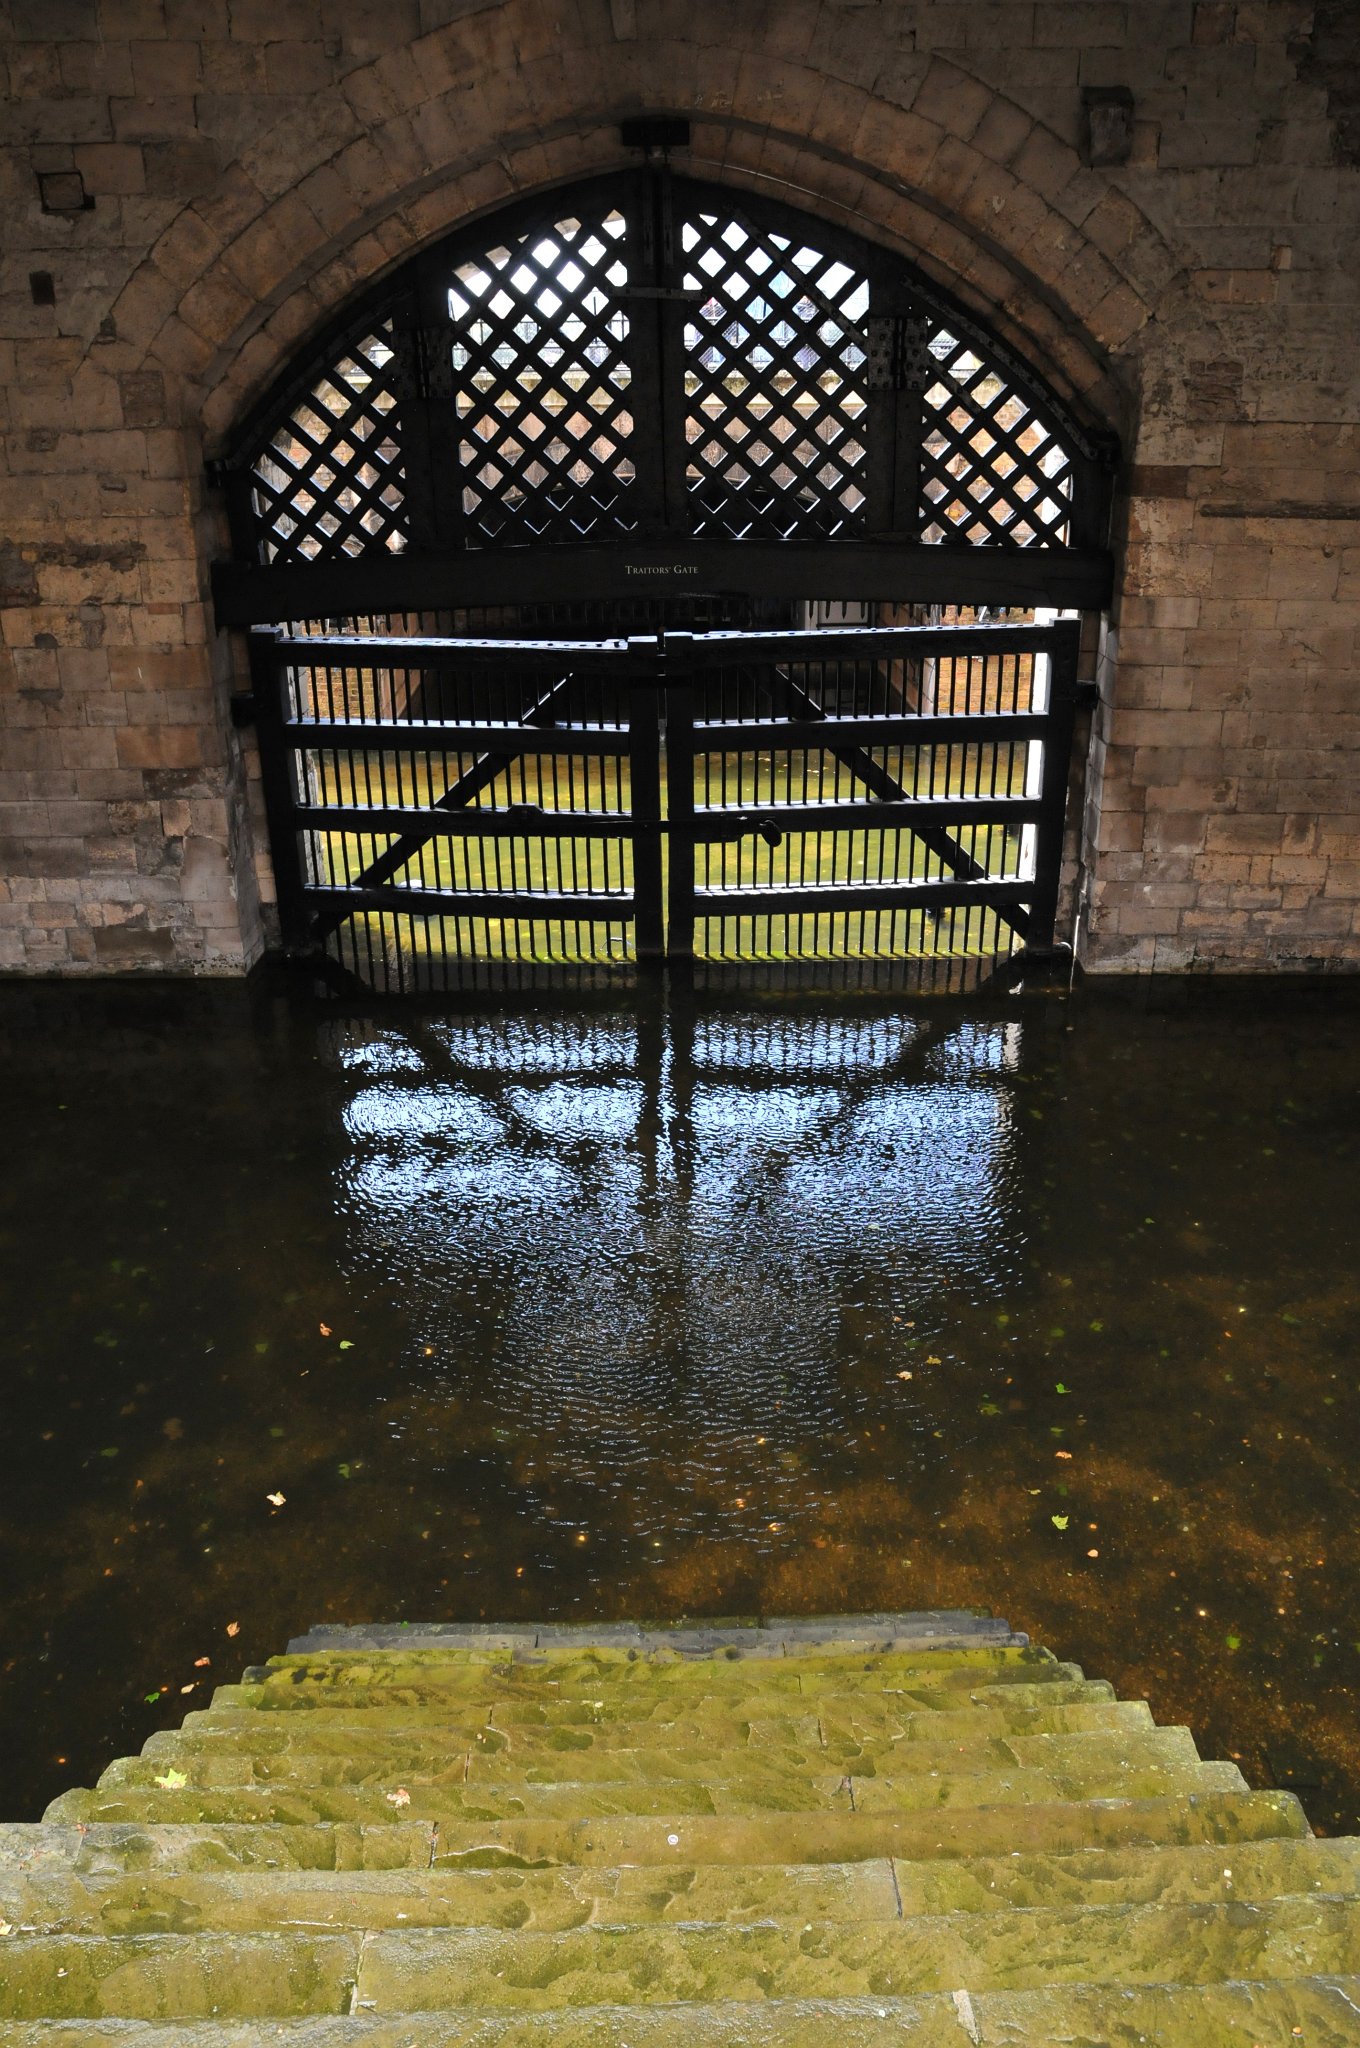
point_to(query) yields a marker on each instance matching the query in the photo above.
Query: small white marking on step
(963, 2006)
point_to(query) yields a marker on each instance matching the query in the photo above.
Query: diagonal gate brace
(797, 703)
(455, 798)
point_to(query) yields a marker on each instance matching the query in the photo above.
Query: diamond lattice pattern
(990, 468)
(541, 384)
(330, 481)
(775, 362)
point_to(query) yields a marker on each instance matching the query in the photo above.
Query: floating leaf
(346, 1344)
(324, 1328)
(1062, 1454)
(1060, 1521)
(199, 1662)
(276, 1500)
(151, 1698)
(1059, 1388)
(401, 1797)
(172, 1781)
(233, 1628)
(5, 1927)
(1233, 1642)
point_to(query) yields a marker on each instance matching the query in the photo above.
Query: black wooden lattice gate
(879, 792)
(651, 437)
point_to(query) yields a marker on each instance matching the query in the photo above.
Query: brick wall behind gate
(219, 175)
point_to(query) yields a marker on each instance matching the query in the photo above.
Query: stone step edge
(33, 1845)
(982, 2019)
(955, 2018)
(480, 1938)
(696, 1637)
(871, 1888)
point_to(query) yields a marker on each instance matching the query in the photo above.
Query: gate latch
(769, 831)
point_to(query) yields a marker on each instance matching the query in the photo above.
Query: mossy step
(261, 1974)
(1187, 1874)
(488, 1760)
(171, 1902)
(571, 1798)
(546, 1900)
(662, 1707)
(643, 1688)
(1318, 2011)
(582, 1671)
(833, 1721)
(1054, 1828)
(165, 1976)
(686, 1632)
(1202, 1944)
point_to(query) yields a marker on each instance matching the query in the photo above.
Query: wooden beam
(898, 571)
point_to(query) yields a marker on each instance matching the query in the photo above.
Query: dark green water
(764, 1304)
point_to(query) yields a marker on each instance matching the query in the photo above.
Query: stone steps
(859, 1829)
(175, 1902)
(676, 1799)
(754, 1767)
(258, 1974)
(452, 1671)
(1056, 1828)
(778, 1636)
(1317, 2010)
(662, 1706)
(829, 1719)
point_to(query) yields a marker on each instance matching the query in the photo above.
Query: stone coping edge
(939, 1629)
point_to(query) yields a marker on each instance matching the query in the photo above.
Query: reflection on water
(782, 1304)
(660, 1232)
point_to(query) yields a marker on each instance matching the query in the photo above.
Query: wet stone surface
(599, 1309)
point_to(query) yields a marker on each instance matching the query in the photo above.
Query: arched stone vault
(945, 169)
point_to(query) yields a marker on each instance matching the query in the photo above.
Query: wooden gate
(608, 417)
(868, 792)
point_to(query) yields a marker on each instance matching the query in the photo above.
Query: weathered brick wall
(251, 162)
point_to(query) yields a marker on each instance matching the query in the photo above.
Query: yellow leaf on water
(233, 1628)
(276, 1500)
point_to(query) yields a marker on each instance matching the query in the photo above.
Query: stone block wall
(189, 187)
